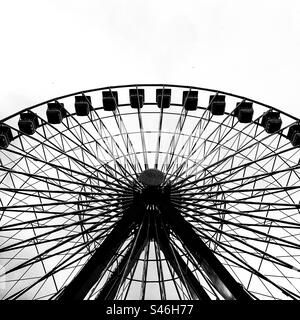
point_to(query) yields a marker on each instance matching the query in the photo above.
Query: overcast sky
(248, 47)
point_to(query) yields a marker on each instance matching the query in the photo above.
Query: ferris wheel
(150, 192)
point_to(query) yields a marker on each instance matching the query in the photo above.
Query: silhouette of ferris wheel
(150, 192)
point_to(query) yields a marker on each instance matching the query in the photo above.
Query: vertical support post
(221, 279)
(92, 270)
(110, 288)
(180, 267)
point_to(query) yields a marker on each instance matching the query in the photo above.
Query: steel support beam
(79, 287)
(110, 288)
(221, 279)
(180, 267)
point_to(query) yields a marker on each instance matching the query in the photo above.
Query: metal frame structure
(150, 192)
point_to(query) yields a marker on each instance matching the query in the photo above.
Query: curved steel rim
(151, 85)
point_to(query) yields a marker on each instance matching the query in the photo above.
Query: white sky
(54, 47)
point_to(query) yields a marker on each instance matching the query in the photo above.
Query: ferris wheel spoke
(279, 195)
(271, 155)
(263, 206)
(226, 159)
(142, 133)
(26, 242)
(162, 287)
(66, 139)
(257, 155)
(279, 224)
(80, 193)
(53, 195)
(70, 173)
(8, 226)
(214, 193)
(62, 264)
(286, 206)
(243, 265)
(217, 148)
(51, 147)
(179, 173)
(70, 237)
(170, 154)
(83, 133)
(196, 134)
(241, 225)
(280, 271)
(257, 253)
(179, 292)
(243, 178)
(259, 221)
(241, 262)
(75, 159)
(235, 141)
(43, 278)
(60, 203)
(30, 185)
(281, 206)
(104, 150)
(145, 270)
(158, 142)
(9, 206)
(59, 215)
(260, 168)
(262, 278)
(126, 138)
(126, 289)
(271, 190)
(131, 164)
(158, 258)
(245, 147)
(40, 194)
(258, 234)
(108, 149)
(59, 267)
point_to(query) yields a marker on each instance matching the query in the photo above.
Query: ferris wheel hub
(152, 177)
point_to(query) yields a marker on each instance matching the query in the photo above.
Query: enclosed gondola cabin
(271, 121)
(55, 112)
(163, 98)
(5, 136)
(28, 122)
(217, 104)
(190, 100)
(110, 100)
(137, 98)
(83, 105)
(294, 134)
(244, 111)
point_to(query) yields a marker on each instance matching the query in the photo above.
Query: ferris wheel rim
(30, 108)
